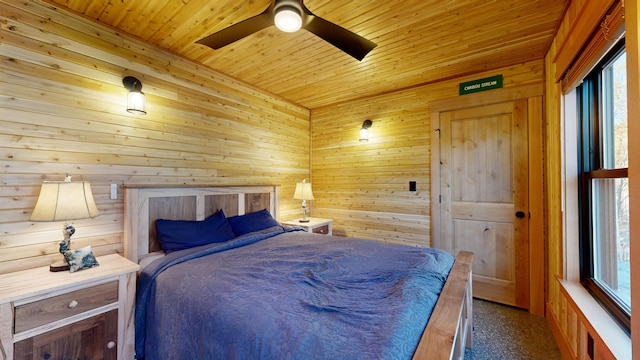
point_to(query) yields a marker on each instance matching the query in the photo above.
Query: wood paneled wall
(364, 187)
(62, 110)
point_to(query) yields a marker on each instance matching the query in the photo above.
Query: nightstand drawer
(321, 230)
(31, 315)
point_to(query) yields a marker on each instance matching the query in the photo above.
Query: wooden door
(484, 196)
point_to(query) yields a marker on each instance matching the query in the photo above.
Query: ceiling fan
(290, 16)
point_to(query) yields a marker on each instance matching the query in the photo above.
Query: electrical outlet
(114, 191)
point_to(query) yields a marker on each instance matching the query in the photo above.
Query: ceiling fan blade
(239, 30)
(345, 40)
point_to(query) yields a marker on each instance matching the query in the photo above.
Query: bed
(275, 292)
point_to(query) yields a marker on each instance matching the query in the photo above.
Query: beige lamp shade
(64, 200)
(303, 191)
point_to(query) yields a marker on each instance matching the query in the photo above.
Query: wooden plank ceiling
(419, 41)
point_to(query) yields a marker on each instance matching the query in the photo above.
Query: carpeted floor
(504, 332)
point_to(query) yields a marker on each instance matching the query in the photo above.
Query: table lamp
(63, 201)
(303, 192)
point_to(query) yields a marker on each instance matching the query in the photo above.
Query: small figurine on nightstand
(76, 259)
(67, 231)
(80, 259)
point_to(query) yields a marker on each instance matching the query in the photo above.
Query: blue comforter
(277, 294)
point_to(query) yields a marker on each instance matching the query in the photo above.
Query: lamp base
(59, 266)
(303, 220)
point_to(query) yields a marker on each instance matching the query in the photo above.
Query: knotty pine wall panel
(364, 187)
(62, 110)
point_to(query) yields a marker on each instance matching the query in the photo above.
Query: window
(604, 186)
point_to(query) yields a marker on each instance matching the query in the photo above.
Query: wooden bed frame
(450, 327)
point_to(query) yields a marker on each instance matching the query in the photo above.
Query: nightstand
(315, 225)
(56, 315)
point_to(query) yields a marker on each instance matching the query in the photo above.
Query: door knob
(520, 214)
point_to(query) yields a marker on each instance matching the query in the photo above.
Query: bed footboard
(450, 328)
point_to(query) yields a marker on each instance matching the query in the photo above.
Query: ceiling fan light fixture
(288, 19)
(291, 16)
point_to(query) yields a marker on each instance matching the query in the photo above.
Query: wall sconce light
(136, 102)
(364, 132)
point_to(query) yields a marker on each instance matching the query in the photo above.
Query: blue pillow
(256, 221)
(175, 235)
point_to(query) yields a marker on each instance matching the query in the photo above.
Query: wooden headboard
(143, 205)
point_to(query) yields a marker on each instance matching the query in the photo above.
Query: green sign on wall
(493, 82)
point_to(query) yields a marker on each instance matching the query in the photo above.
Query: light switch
(114, 191)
